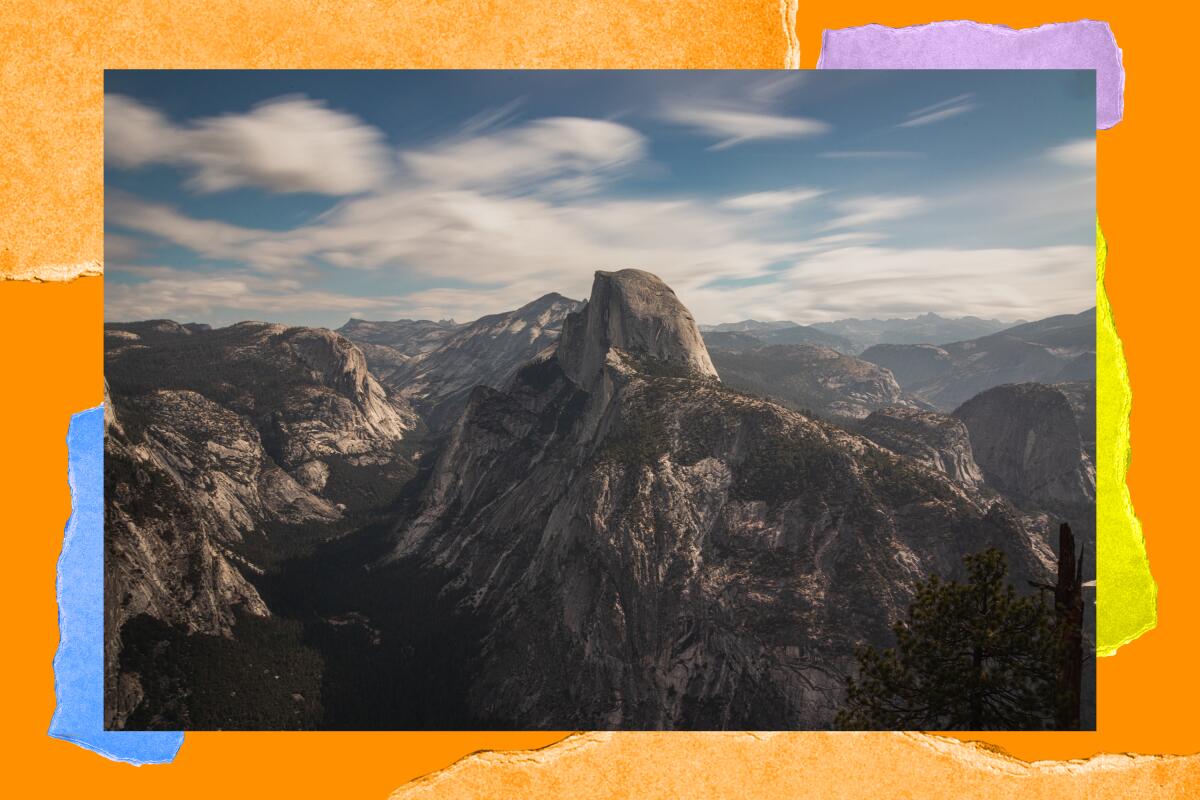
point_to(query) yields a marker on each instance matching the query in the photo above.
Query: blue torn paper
(79, 662)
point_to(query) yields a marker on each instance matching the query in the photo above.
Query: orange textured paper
(51, 86)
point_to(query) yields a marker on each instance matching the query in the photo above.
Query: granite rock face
(634, 311)
(936, 440)
(1025, 439)
(222, 448)
(650, 549)
(485, 352)
(409, 337)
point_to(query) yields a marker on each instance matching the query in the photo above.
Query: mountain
(1082, 397)
(732, 341)
(485, 352)
(438, 379)
(306, 391)
(925, 329)
(747, 326)
(166, 546)
(1025, 439)
(809, 377)
(1061, 348)
(226, 451)
(731, 333)
(936, 440)
(643, 547)
(805, 334)
(409, 336)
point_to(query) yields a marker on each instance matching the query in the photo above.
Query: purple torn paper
(1086, 44)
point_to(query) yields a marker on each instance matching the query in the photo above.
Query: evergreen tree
(969, 656)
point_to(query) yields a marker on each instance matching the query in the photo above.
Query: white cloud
(190, 295)
(509, 251)
(118, 247)
(766, 201)
(569, 150)
(945, 109)
(858, 211)
(1077, 153)
(285, 145)
(1009, 283)
(733, 127)
(470, 236)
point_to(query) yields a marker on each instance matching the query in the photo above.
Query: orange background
(51, 185)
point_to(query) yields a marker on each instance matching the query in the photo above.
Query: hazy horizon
(465, 321)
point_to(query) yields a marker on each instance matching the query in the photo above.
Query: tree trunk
(1068, 610)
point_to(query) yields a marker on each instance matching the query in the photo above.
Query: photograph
(540, 400)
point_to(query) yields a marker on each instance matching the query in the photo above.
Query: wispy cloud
(187, 295)
(942, 110)
(772, 89)
(468, 236)
(765, 201)
(871, 154)
(835, 283)
(949, 101)
(731, 127)
(571, 151)
(285, 145)
(1077, 153)
(858, 211)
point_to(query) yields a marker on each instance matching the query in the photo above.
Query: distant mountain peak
(635, 311)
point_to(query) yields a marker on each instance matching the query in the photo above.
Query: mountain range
(852, 336)
(571, 515)
(1052, 350)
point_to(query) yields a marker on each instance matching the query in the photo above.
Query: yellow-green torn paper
(1126, 594)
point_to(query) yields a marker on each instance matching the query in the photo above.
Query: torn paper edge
(79, 589)
(955, 44)
(54, 273)
(1127, 594)
(787, 10)
(973, 755)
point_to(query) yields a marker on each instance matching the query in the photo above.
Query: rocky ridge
(225, 448)
(810, 377)
(650, 549)
(1061, 348)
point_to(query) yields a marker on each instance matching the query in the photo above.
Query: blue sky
(310, 197)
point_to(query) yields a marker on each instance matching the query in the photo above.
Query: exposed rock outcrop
(634, 311)
(224, 448)
(485, 352)
(1025, 439)
(410, 337)
(168, 524)
(809, 377)
(936, 440)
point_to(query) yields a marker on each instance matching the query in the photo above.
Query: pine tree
(969, 656)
